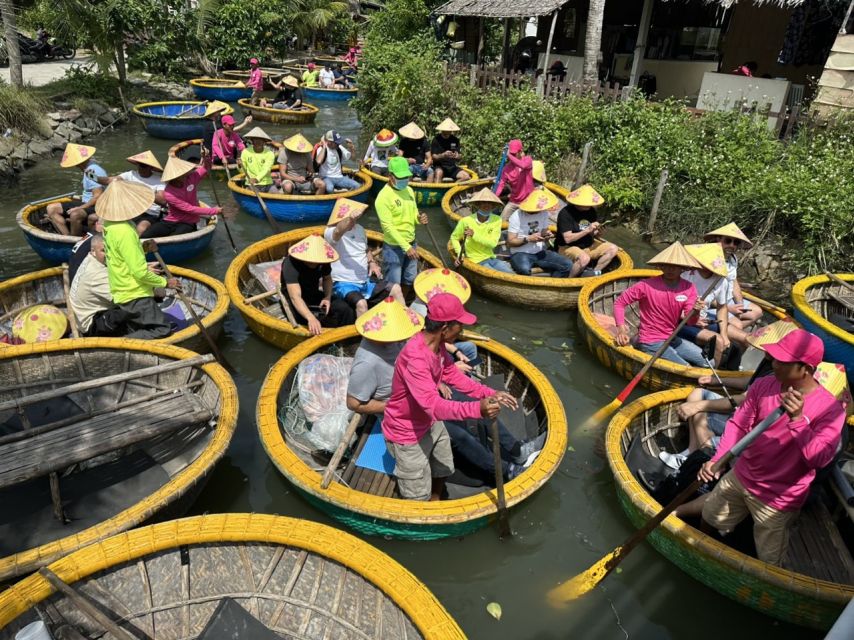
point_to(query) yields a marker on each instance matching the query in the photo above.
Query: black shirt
(441, 145)
(78, 254)
(574, 220)
(307, 276)
(415, 149)
(288, 95)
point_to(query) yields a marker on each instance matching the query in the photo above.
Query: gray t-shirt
(372, 370)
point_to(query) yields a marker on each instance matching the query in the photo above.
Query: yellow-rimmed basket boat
(598, 297)
(119, 432)
(174, 119)
(808, 596)
(366, 500)
(427, 194)
(182, 150)
(207, 296)
(265, 315)
(817, 299)
(298, 579)
(223, 89)
(303, 115)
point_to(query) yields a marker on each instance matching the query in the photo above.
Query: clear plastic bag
(322, 382)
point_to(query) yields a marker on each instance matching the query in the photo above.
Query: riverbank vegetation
(21, 110)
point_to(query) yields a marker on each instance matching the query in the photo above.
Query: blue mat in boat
(374, 454)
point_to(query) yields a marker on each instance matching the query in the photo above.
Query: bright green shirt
(258, 165)
(127, 270)
(398, 214)
(481, 246)
(309, 78)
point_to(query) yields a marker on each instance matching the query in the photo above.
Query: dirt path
(38, 74)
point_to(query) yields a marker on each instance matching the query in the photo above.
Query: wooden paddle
(339, 452)
(436, 245)
(72, 319)
(216, 195)
(584, 582)
(191, 108)
(264, 208)
(837, 280)
(503, 516)
(500, 169)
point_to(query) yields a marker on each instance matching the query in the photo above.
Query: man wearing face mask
(475, 237)
(398, 213)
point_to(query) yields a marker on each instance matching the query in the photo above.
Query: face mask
(483, 214)
(401, 183)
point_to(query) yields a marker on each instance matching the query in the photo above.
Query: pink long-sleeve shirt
(227, 146)
(256, 79)
(183, 201)
(661, 307)
(779, 467)
(518, 174)
(415, 403)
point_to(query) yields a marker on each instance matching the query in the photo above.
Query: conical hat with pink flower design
(831, 376)
(75, 154)
(432, 281)
(771, 333)
(313, 249)
(539, 200)
(710, 255)
(39, 323)
(389, 321)
(345, 208)
(586, 196)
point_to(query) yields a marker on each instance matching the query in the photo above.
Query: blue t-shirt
(90, 180)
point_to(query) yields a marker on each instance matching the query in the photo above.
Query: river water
(569, 524)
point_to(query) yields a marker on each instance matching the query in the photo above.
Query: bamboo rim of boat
(136, 110)
(699, 542)
(397, 509)
(330, 90)
(799, 300)
(285, 197)
(217, 83)
(210, 319)
(406, 591)
(308, 110)
(30, 560)
(585, 315)
(426, 185)
(175, 149)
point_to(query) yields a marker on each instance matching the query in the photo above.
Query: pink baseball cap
(227, 120)
(311, 65)
(515, 146)
(446, 307)
(798, 346)
(253, 60)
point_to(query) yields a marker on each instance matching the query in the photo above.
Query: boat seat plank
(816, 547)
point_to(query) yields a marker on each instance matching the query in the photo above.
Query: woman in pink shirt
(517, 173)
(771, 480)
(256, 80)
(227, 145)
(662, 303)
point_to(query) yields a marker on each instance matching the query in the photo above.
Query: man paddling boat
(517, 176)
(227, 144)
(182, 179)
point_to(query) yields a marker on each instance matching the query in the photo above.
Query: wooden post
(585, 158)
(473, 75)
(640, 43)
(480, 42)
(656, 202)
(544, 76)
(505, 47)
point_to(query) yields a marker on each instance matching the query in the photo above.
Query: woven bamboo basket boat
(367, 501)
(427, 194)
(174, 119)
(329, 94)
(598, 296)
(265, 316)
(807, 592)
(185, 578)
(818, 298)
(455, 200)
(183, 150)
(114, 433)
(224, 89)
(269, 74)
(304, 115)
(207, 296)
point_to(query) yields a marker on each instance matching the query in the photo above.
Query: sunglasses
(732, 241)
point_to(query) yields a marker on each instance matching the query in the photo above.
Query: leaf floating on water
(570, 448)
(618, 570)
(494, 609)
(563, 345)
(539, 343)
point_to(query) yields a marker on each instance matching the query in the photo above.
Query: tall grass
(21, 110)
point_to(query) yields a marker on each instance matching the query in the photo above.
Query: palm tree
(13, 49)
(593, 41)
(310, 17)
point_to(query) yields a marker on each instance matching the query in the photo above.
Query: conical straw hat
(124, 200)
(710, 255)
(538, 170)
(297, 143)
(291, 82)
(412, 131)
(439, 280)
(771, 333)
(75, 154)
(447, 125)
(832, 377)
(586, 196)
(389, 321)
(39, 323)
(175, 168)
(385, 138)
(147, 158)
(345, 208)
(485, 196)
(215, 107)
(676, 255)
(539, 200)
(258, 132)
(730, 230)
(313, 249)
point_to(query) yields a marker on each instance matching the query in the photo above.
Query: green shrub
(21, 110)
(81, 82)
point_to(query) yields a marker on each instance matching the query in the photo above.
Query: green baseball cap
(399, 167)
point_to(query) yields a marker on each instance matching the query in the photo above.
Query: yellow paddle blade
(603, 414)
(581, 584)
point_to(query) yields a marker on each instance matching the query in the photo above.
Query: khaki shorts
(595, 250)
(417, 464)
(730, 503)
(508, 210)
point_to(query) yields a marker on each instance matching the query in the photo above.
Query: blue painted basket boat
(224, 89)
(337, 95)
(298, 208)
(174, 120)
(56, 248)
(189, 148)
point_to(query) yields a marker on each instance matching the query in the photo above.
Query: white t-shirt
(525, 224)
(732, 275)
(327, 78)
(153, 181)
(352, 248)
(718, 296)
(379, 157)
(331, 167)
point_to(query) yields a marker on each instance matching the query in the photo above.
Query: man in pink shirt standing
(414, 433)
(256, 80)
(227, 145)
(517, 173)
(771, 480)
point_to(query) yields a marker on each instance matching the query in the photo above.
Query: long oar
(190, 108)
(586, 581)
(500, 170)
(837, 280)
(709, 364)
(264, 208)
(436, 245)
(216, 197)
(503, 516)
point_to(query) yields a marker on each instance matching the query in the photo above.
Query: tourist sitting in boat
(289, 95)
(70, 218)
(330, 158)
(132, 284)
(382, 147)
(731, 238)
(445, 151)
(476, 236)
(89, 295)
(148, 172)
(412, 427)
(528, 238)
(516, 174)
(327, 78)
(227, 144)
(770, 480)
(296, 168)
(415, 148)
(579, 233)
(538, 173)
(398, 214)
(307, 284)
(662, 302)
(256, 80)
(310, 76)
(342, 79)
(182, 179)
(257, 161)
(352, 56)
(352, 273)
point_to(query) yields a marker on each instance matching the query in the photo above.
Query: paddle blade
(603, 414)
(583, 583)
